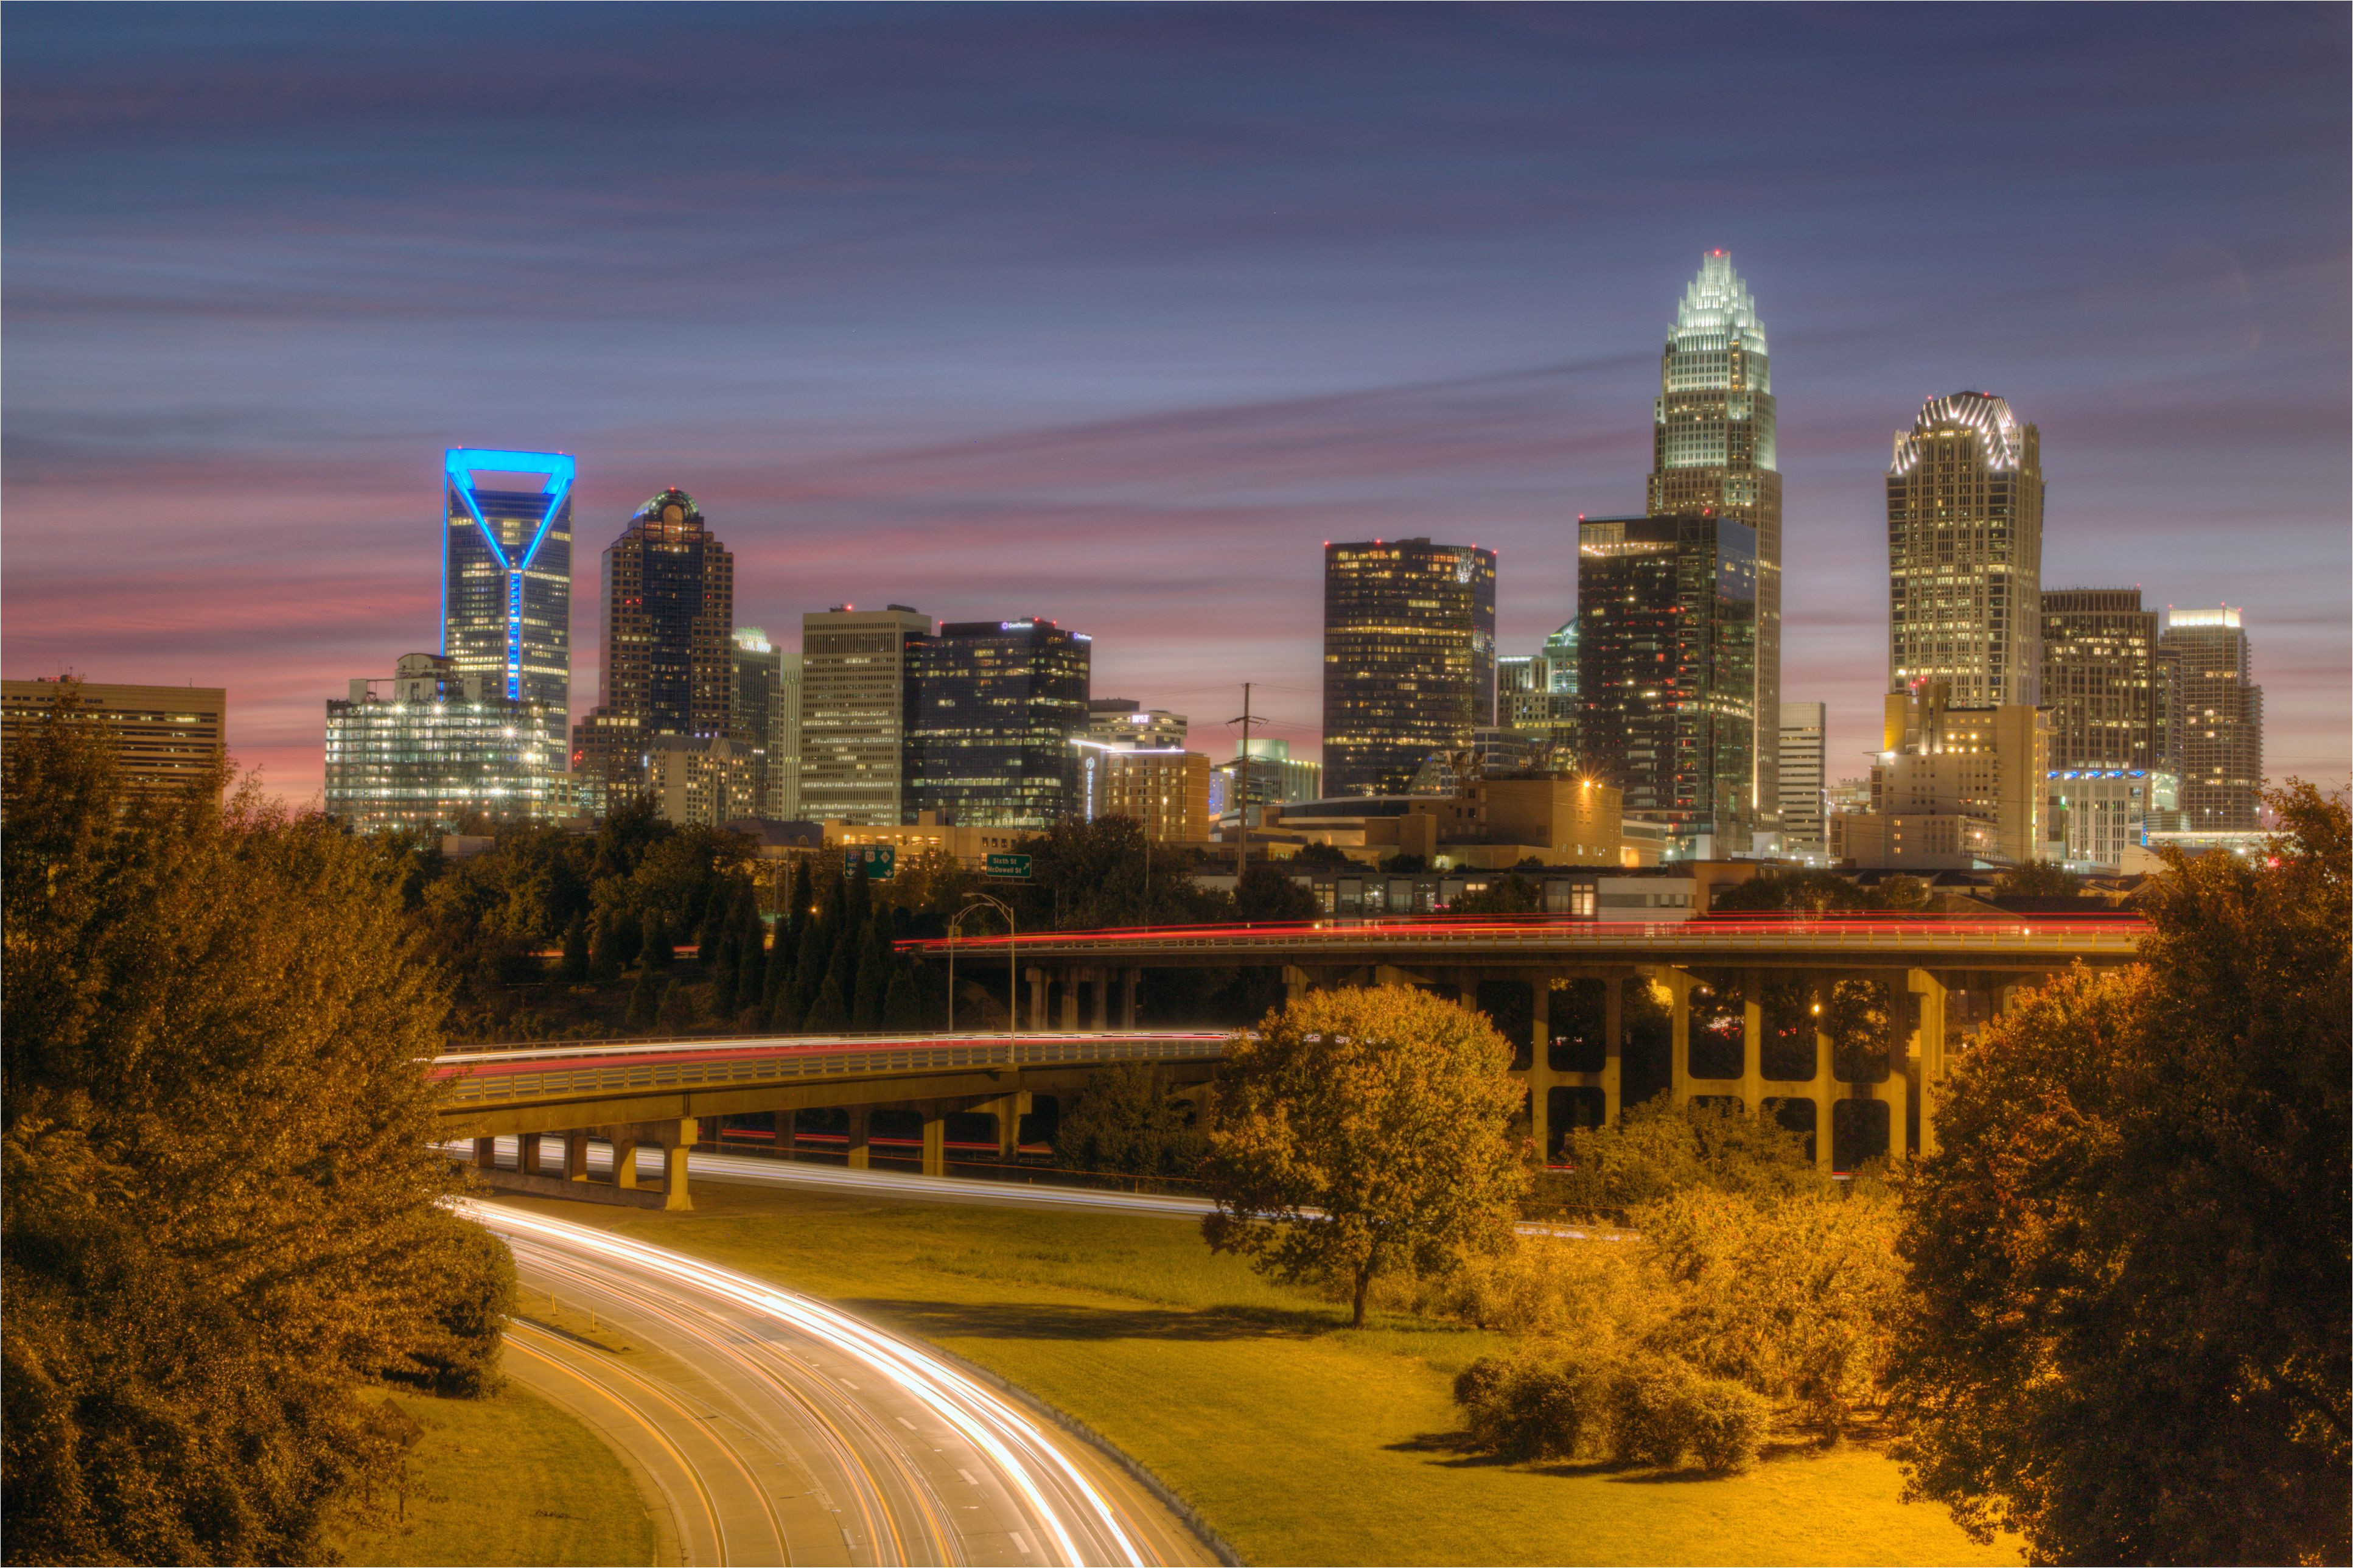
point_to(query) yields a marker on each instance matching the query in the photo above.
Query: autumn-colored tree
(221, 1180)
(1358, 1131)
(1127, 1121)
(2129, 1257)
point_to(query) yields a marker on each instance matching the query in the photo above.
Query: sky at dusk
(1113, 315)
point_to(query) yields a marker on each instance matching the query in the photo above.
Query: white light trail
(992, 1425)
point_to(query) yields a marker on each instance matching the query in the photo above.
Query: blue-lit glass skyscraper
(506, 574)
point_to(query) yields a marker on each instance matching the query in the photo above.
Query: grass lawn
(510, 1480)
(1300, 1440)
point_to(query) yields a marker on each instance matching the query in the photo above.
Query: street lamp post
(1012, 971)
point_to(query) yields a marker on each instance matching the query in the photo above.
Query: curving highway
(776, 1429)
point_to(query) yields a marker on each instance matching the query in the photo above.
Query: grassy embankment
(509, 1479)
(1301, 1440)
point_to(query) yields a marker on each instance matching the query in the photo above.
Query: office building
(784, 783)
(706, 780)
(1164, 789)
(669, 596)
(2102, 817)
(1271, 776)
(506, 575)
(1666, 617)
(1965, 553)
(756, 708)
(165, 738)
(1121, 721)
(1408, 657)
(1954, 788)
(1802, 779)
(2216, 720)
(2101, 680)
(858, 699)
(1714, 450)
(432, 750)
(999, 703)
(1535, 703)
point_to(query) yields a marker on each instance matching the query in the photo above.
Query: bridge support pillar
(1070, 1009)
(1101, 985)
(1129, 980)
(1540, 1073)
(1036, 978)
(936, 1138)
(1679, 1078)
(860, 1150)
(486, 1154)
(1752, 1040)
(677, 1140)
(1296, 982)
(1929, 1050)
(1009, 1110)
(527, 1154)
(1613, 1047)
(625, 1159)
(576, 1157)
(1825, 1084)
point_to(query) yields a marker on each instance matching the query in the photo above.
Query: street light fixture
(1012, 974)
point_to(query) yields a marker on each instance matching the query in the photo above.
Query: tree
(874, 968)
(1809, 891)
(2037, 879)
(576, 949)
(1658, 1150)
(1513, 895)
(1127, 1122)
(827, 1015)
(1358, 1131)
(902, 1005)
(645, 1000)
(605, 951)
(1321, 854)
(660, 951)
(675, 1014)
(808, 975)
(2129, 1255)
(629, 937)
(219, 1171)
(1266, 894)
(752, 948)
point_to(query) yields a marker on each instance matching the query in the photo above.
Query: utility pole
(1241, 782)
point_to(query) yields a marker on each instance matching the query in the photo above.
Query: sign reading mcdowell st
(880, 860)
(1015, 866)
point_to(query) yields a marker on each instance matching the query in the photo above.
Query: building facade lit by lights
(2102, 680)
(1955, 787)
(858, 704)
(1265, 773)
(1715, 451)
(1408, 658)
(997, 703)
(2216, 720)
(435, 751)
(669, 596)
(506, 574)
(166, 739)
(758, 710)
(1666, 621)
(1965, 553)
(1123, 721)
(1164, 788)
(1803, 785)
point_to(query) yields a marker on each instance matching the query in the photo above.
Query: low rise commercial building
(2102, 815)
(1953, 787)
(164, 737)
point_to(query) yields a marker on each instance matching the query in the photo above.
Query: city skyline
(919, 348)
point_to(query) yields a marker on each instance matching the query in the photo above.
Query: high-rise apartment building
(858, 700)
(1666, 614)
(1408, 657)
(1801, 777)
(1965, 553)
(164, 737)
(669, 594)
(506, 575)
(1715, 451)
(707, 780)
(2216, 723)
(434, 750)
(1164, 788)
(2101, 680)
(997, 704)
(759, 675)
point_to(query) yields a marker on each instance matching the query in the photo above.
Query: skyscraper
(1408, 658)
(1801, 777)
(997, 703)
(506, 574)
(1714, 450)
(669, 595)
(758, 698)
(857, 697)
(1666, 614)
(434, 751)
(2217, 720)
(1965, 553)
(2101, 681)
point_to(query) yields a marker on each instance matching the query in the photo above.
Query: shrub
(1727, 1424)
(1537, 1406)
(1660, 1410)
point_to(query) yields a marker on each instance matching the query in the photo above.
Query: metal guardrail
(2105, 938)
(519, 1077)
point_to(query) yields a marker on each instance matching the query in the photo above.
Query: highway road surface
(774, 1428)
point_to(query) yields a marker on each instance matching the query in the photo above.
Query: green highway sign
(880, 860)
(1016, 866)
